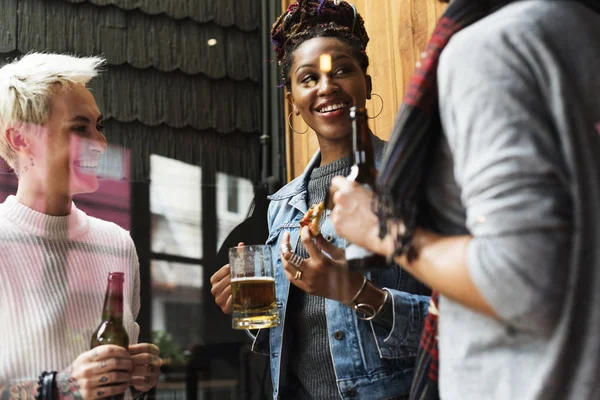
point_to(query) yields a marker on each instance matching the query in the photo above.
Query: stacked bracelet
(365, 311)
(386, 294)
(46, 386)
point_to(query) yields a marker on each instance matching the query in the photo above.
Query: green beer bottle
(111, 329)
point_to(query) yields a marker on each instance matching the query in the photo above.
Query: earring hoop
(380, 111)
(353, 19)
(292, 128)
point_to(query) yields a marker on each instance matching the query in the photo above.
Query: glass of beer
(253, 287)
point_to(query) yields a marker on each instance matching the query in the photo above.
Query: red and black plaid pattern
(429, 339)
(425, 381)
(422, 87)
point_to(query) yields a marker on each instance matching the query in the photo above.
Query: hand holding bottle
(102, 372)
(146, 366)
(353, 219)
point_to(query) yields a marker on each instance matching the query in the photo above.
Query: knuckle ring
(286, 248)
(298, 275)
(296, 261)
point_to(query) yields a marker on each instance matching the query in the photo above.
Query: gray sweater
(519, 169)
(311, 364)
(312, 370)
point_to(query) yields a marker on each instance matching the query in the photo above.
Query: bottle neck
(362, 148)
(113, 301)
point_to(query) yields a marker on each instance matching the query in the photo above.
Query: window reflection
(234, 199)
(176, 297)
(111, 202)
(175, 199)
(178, 289)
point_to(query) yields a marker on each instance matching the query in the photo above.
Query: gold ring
(298, 275)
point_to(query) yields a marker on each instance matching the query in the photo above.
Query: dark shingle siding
(237, 153)
(178, 100)
(8, 26)
(242, 14)
(134, 38)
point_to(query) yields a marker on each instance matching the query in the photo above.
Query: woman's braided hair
(308, 19)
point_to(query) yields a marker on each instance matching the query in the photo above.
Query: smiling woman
(322, 349)
(322, 98)
(55, 258)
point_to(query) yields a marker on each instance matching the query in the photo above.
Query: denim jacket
(370, 362)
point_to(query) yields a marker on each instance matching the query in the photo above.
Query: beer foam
(254, 279)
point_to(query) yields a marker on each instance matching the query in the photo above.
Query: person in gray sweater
(512, 198)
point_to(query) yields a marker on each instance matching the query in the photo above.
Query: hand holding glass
(253, 287)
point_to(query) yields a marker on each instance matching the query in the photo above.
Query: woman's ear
(290, 99)
(16, 139)
(369, 86)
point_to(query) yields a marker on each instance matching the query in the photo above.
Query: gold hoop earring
(380, 111)
(292, 128)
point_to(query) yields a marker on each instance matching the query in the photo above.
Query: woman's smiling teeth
(87, 164)
(333, 107)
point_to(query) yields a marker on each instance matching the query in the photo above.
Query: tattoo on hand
(103, 379)
(68, 388)
(103, 364)
(100, 393)
(23, 390)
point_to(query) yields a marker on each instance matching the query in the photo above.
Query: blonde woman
(55, 258)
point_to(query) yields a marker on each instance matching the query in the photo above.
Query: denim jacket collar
(296, 189)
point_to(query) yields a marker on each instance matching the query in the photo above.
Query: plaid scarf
(400, 183)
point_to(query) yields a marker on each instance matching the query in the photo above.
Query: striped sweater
(53, 274)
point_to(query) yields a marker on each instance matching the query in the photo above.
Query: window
(175, 199)
(231, 212)
(176, 297)
(176, 258)
(114, 163)
(181, 196)
(232, 194)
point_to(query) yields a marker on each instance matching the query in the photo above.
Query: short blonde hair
(26, 88)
